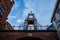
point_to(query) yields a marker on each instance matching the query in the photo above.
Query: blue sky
(42, 9)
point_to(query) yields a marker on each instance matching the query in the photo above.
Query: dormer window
(1, 10)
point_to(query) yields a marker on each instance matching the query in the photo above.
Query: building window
(56, 21)
(58, 15)
(1, 10)
(59, 21)
(58, 11)
(58, 25)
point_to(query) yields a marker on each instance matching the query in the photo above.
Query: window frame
(1, 10)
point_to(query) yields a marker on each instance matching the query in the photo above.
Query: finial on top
(31, 12)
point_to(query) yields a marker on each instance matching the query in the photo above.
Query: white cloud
(19, 20)
(12, 17)
(30, 3)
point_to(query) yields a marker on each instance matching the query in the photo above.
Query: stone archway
(29, 38)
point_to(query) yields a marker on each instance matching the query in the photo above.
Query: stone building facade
(56, 17)
(5, 8)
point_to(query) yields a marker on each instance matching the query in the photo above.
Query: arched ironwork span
(29, 38)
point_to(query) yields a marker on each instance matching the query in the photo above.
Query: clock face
(30, 16)
(1, 10)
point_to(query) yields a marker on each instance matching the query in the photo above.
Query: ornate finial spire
(31, 12)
